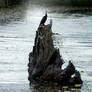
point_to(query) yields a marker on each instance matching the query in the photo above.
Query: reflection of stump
(45, 62)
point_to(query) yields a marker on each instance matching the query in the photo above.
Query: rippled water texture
(17, 31)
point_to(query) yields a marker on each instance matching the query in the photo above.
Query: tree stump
(45, 61)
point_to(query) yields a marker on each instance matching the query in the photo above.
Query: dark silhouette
(43, 19)
(45, 61)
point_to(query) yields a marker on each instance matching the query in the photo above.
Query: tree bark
(45, 62)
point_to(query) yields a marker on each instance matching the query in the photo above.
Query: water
(17, 31)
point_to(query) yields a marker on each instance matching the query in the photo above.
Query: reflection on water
(8, 15)
(52, 87)
(17, 32)
(79, 3)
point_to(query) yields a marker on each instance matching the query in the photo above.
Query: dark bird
(43, 19)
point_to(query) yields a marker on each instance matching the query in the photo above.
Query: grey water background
(18, 26)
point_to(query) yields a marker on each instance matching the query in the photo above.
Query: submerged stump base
(45, 62)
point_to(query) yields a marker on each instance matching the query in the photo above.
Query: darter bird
(44, 19)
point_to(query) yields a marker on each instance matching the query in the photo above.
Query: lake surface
(17, 32)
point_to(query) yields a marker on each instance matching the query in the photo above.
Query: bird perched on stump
(44, 19)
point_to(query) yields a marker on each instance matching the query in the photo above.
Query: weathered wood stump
(45, 62)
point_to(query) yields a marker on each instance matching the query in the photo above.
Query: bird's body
(43, 19)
